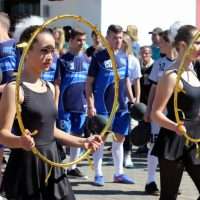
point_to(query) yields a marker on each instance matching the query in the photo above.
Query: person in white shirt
(134, 76)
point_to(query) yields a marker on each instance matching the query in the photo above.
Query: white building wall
(89, 9)
(145, 14)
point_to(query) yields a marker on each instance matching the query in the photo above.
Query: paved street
(112, 191)
(85, 190)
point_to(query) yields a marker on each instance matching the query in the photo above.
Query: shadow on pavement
(109, 192)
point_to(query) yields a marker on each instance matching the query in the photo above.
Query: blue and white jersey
(101, 70)
(8, 59)
(72, 71)
(159, 67)
(50, 74)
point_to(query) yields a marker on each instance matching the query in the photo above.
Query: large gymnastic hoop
(177, 90)
(18, 82)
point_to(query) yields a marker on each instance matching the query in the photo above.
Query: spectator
(96, 46)
(155, 37)
(146, 63)
(59, 36)
(132, 31)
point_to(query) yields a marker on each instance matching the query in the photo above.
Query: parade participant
(25, 174)
(100, 95)
(134, 76)
(157, 71)
(8, 59)
(96, 46)
(71, 76)
(170, 148)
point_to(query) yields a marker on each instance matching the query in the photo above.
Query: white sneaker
(127, 161)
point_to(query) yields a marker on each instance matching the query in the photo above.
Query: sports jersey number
(108, 64)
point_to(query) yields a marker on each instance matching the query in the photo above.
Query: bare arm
(7, 116)
(92, 142)
(164, 91)
(2, 87)
(137, 90)
(89, 96)
(57, 92)
(68, 139)
(129, 91)
(150, 102)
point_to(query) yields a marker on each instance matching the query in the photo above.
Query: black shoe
(76, 173)
(152, 189)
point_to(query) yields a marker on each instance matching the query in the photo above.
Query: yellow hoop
(18, 80)
(177, 89)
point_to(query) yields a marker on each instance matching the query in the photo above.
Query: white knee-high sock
(98, 157)
(74, 154)
(118, 156)
(152, 162)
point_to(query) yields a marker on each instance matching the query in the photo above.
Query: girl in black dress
(25, 174)
(174, 155)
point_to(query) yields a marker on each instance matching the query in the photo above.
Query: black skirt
(25, 175)
(171, 146)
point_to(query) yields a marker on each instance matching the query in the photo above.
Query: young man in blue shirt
(71, 75)
(8, 59)
(100, 96)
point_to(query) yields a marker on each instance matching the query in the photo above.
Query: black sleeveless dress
(169, 145)
(25, 174)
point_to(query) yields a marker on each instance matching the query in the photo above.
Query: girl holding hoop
(174, 155)
(25, 174)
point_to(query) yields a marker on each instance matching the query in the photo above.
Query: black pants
(127, 144)
(171, 173)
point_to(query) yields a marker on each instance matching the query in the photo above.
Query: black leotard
(25, 174)
(171, 146)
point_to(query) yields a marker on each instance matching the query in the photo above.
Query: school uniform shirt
(8, 60)
(72, 71)
(103, 88)
(159, 67)
(50, 74)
